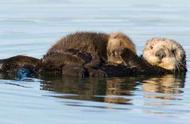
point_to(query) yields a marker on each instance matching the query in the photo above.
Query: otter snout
(160, 54)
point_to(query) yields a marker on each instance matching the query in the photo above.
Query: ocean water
(30, 27)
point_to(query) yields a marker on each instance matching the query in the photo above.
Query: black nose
(160, 54)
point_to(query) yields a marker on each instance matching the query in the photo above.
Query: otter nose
(160, 54)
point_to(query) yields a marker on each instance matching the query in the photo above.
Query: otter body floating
(88, 54)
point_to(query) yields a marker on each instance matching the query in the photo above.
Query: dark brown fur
(13, 63)
(82, 50)
(9, 67)
(90, 43)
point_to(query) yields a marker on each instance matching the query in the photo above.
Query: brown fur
(116, 44)
(92, 55)
(80, 50)
(85, 54)
(16, 62)
(84, 42)
(9, 67)
(87, 49)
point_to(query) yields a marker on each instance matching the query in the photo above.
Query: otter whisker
(176, 69)
(180, 64)
(177, 66)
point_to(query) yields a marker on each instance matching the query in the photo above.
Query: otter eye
(173, 51)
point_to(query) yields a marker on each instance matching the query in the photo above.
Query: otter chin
(165, 53)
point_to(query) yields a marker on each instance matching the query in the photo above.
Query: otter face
(116, 44)
(165, 53)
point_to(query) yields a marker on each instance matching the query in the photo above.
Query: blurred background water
(30, 27)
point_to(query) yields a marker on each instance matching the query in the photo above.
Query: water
(30, 27)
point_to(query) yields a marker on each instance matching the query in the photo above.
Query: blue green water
(30, 27)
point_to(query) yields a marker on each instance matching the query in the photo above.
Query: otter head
(165, 53)
(117, 43)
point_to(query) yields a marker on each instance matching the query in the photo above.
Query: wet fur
(16, 62)
(116, 44)
(10, 66)
(92, 44)
(83, 54)
(174, 55)
(85, 51)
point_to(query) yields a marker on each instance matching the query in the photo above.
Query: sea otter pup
(93, 44)
(86, 52)
(165, 53)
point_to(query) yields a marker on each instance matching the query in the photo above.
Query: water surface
(30, 27)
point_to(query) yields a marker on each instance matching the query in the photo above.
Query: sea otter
(75, 53)
(89, 54)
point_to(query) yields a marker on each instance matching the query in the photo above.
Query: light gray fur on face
(165, 53)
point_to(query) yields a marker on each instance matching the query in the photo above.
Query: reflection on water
(163, 92)
(104, 90)
(167, 87)
(117, 90)
(76, 88)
